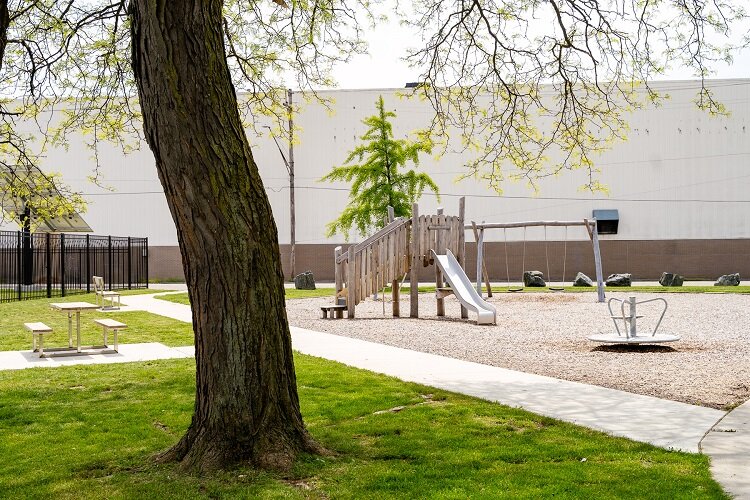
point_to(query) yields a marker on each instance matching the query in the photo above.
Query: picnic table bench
(110, 325)
(38, 330)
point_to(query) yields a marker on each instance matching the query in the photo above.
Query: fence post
(88, 266)
(18, 263)
(130, 261)
(147, 257)
(597, 261)
(109, 259)
(48, 257)
(62, 264)
(462, 245)
(351, 282)
(415, 259)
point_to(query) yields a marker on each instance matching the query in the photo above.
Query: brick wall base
(645, 260)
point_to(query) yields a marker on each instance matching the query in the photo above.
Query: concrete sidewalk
(664, 423)
(728, 445)
(128, 353)
(147, 302)
(669, 424)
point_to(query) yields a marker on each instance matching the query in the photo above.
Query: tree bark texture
(246, 404)
(4, 24)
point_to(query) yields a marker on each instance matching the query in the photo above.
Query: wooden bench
(38, 330)
(338, 309)
(110, 324)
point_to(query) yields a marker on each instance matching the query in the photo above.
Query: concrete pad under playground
(128, 353)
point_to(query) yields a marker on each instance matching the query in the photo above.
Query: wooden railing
(439, 233)
(379, 261)
(396, 249)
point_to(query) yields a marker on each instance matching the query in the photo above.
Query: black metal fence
(36, 265)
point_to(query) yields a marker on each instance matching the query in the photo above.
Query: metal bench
(110, 324)
(100, 292)
(38, 330)
(338, 309)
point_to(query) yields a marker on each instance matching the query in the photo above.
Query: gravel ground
(546, 334)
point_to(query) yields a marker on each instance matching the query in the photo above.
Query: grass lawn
(142, 326)
(88, 432)
(742, 289)
(291, 293)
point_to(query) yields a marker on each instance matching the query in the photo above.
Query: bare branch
(537, 87)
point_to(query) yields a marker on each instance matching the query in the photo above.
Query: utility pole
(289, 164)
(290, 168)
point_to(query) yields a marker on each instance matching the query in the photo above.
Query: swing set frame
(589, 224)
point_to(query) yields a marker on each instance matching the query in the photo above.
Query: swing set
(589, 224)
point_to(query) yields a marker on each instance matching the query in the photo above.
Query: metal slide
(464, 290)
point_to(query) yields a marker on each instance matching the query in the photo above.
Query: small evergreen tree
(375, 177)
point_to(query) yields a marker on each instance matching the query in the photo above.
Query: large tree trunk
(246, 404)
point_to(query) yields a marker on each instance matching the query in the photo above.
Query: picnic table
(70, 308)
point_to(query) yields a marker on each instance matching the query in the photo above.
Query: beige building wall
(680, 183)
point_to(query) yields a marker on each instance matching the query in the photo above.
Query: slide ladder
(464, 290)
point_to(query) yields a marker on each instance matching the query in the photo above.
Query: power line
(278, 189)
(549, 198)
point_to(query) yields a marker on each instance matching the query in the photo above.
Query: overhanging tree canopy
(175, 66)
(536, 87)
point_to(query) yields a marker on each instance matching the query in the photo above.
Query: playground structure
(630, 333)
(589, 224)
(403, 245)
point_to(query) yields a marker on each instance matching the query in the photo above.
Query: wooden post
(597, 262)
(484, 264)
(350, 284)
(395, 295)
(413, 273)
(337, 268)
(480, 260)
(462, 244)
(438, 275)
